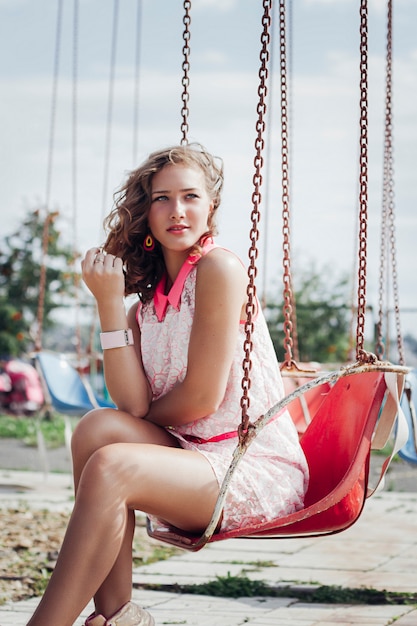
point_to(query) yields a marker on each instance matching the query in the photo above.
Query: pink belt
(222, 437)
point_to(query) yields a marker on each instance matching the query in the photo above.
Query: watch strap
(116, 339)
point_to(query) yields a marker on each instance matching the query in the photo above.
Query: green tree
(13, 330)
(21, 259)
(322, 318)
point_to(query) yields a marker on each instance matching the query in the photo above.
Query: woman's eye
(192, 195)
(160, 199)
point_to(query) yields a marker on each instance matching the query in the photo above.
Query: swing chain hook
(185, 96)
(246, 434)
(365, 357)
(251, 304)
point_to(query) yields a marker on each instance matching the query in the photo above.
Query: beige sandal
(129, 615)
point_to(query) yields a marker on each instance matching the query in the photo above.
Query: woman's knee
(93, 431)
(102, 427)
(106, 472)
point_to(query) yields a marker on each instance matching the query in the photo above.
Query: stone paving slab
(192, 610)
(41, 491)
(379, 551)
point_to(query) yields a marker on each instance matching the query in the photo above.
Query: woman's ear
(210, 214)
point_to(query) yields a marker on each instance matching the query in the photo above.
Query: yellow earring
(149, 243)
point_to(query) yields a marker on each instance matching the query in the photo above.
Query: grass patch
(252, 564)
(25, 429)
(241, 586)
(159, 553)
(385, 452)
(330, 594)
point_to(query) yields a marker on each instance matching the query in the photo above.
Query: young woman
(173, 366)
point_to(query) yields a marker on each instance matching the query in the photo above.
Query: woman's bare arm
(220, 297)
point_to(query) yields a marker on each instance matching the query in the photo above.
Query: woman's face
(180, 207)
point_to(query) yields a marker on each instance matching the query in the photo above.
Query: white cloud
(219, 5)
(213, 57)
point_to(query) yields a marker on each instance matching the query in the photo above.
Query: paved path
(379, 551)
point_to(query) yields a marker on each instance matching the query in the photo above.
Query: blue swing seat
(409, 405)
(69, 393)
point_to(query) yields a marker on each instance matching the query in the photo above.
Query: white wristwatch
(116, 339)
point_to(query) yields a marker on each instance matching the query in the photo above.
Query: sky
(224, 66)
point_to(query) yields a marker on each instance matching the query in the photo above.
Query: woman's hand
(123, 370)
(103, 275)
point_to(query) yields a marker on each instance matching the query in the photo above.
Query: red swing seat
(304, 408)
(337, 445)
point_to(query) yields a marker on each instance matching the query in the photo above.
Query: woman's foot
(129, 615)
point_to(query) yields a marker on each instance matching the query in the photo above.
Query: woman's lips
(177, 229)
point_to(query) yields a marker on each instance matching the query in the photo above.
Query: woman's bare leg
(102, 427)
(96, 429)
(116, 479)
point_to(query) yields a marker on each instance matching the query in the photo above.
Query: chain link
(361, 355)
(185, 97)
(383, 268)
(400, 344)
(255, 217)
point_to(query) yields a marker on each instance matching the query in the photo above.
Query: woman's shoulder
(221, 272)
(221, 261)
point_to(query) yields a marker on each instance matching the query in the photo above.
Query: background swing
(294, 373)
(388, 276)
(409, 406)
(67, 388)
(338, 441)
(388, 257)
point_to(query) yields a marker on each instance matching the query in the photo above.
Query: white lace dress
(272, 477)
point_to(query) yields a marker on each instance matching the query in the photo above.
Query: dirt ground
(30, 541)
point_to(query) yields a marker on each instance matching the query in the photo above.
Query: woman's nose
(177, 210)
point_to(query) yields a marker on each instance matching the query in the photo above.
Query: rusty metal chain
(379, 343)
(361, 354)
(383, 267)
(400, 344)
(388, 210)
(45, 236)
(185, 96)
(289, 55)
(288, 295)
(244, 428)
